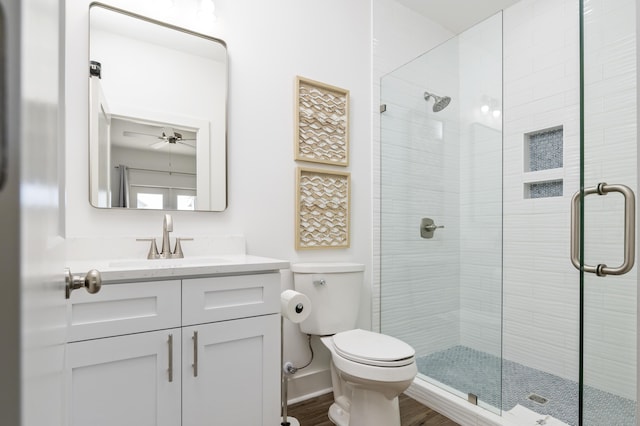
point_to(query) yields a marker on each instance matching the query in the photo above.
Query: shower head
(440, 102)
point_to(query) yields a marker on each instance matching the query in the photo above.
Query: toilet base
(338, 416)
(367, 409)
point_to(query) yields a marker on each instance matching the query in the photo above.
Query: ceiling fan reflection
(168, 137)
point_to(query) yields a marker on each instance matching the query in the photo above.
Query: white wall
(269, 43)
(143, 74)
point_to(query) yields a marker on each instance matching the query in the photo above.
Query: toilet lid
(371, 348)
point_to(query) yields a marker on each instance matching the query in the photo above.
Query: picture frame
(321, 123)
(323, 204)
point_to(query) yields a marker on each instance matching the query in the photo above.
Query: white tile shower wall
(481, 187)
(399, 35)
(610, 156)
(540, 286)
(540, 324)
(420, 178)
(421, 290)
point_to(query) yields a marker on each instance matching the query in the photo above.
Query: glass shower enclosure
(485, 140)
(441, 290)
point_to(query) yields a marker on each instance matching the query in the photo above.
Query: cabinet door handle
(170, 357)
(195, 354)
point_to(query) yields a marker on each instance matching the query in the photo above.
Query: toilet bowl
(368, 370)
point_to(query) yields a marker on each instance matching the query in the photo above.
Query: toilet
(368, 370)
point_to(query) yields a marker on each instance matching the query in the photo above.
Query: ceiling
(457, 15)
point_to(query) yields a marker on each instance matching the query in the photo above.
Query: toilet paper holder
(288, 369)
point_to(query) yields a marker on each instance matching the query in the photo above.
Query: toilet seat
(374, 349)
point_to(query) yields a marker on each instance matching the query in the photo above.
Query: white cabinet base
(123, 369)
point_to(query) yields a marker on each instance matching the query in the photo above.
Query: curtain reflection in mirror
(123, 199)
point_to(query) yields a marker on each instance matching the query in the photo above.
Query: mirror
(157, 108)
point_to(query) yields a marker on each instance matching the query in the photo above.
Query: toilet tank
(334, 290)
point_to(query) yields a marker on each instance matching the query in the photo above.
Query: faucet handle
(177, 252)
(153, 250)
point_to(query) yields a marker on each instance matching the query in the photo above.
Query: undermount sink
(168, 263)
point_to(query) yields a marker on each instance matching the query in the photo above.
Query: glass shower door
(441, 212)
(609, 156)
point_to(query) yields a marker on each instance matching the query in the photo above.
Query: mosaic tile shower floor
(471, 371)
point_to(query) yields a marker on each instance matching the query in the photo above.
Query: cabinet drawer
(123, 308)
(223, 298)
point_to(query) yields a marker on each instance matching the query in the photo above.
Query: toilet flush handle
(319, 282)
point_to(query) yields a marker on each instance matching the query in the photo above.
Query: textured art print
(322, 123)
(322, 209)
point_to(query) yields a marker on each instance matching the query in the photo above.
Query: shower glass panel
(443, 161)
(609, 155)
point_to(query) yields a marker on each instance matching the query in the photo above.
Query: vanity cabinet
(196, 351)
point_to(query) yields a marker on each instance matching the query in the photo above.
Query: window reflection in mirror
(158, 98)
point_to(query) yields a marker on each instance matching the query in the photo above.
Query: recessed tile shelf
(552, 188)
(543, 163)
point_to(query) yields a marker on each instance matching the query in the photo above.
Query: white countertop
(125, 270)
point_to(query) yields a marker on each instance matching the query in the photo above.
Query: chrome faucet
(167, 227)
(165, 253)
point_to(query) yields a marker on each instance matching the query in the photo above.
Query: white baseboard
(306, 385)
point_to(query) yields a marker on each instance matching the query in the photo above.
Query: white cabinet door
(231, 373)
(125, 380)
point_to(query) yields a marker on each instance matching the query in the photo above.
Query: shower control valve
(428, 227)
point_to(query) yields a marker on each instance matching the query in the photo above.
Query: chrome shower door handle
(629, 230)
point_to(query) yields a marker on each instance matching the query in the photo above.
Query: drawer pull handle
(170, 358)
(195, 354)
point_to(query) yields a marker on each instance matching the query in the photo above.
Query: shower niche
(543, 163)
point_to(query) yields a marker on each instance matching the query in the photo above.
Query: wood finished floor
(313, 412)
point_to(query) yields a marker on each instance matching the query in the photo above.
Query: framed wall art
(322, 123)
(322, 208)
